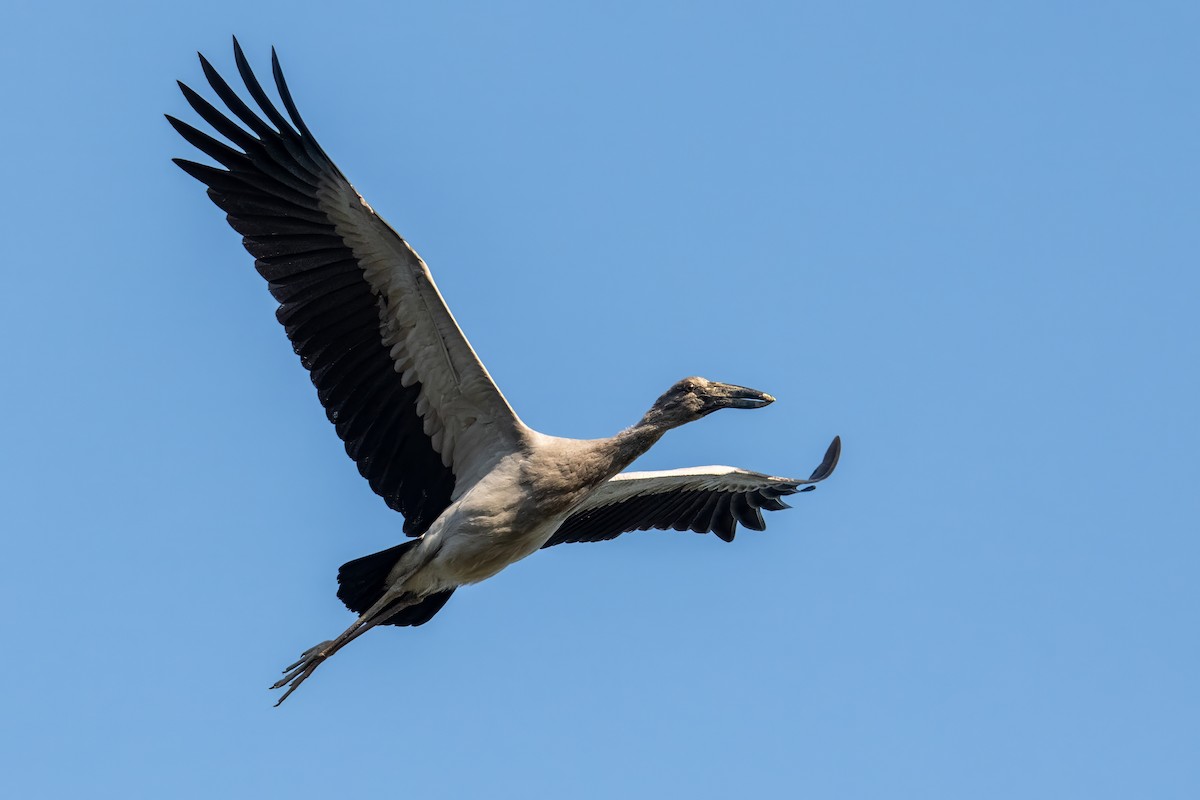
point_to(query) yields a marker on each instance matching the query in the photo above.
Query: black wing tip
(289, 104)
(829, 462)
(201, 172)
(179, 125)
(237, 48)
(239, 57)
(296, 124)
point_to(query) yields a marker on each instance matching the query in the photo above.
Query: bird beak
(730, 396)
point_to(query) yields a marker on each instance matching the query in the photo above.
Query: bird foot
(295, 674)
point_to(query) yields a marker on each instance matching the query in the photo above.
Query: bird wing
(701, 499)
(414, 405)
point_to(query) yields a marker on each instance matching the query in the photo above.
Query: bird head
(693, 398)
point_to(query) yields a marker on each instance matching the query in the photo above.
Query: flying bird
(417, 411)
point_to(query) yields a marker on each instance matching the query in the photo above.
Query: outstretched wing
(699, 499)
(416, 409)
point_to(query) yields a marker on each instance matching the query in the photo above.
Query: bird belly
(513, 510)
(485, 532)
(472, 553)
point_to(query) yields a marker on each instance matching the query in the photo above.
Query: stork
(415, 407)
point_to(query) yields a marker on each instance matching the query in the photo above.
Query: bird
(415, 407)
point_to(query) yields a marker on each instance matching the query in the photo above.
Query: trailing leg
(310, 659)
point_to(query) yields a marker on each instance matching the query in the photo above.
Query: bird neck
(630, 443)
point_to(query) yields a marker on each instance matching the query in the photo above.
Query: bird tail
(362, 582)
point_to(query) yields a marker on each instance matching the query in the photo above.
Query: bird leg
(295, 674)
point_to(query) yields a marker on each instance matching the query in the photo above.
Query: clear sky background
(962, 236)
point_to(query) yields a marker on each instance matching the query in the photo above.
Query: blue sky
(962, 237)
